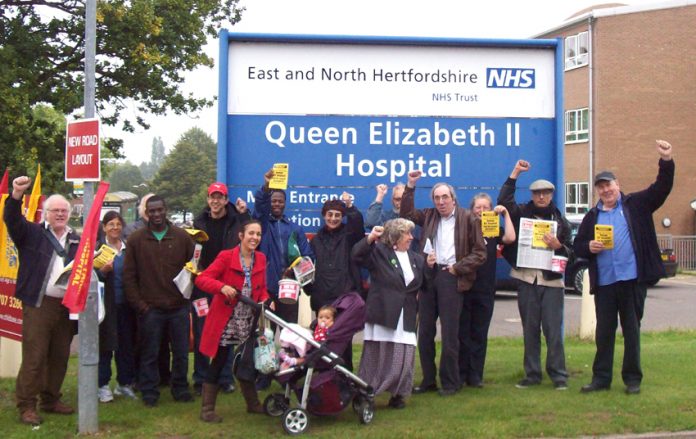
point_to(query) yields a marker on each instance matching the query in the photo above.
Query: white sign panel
(394, 80)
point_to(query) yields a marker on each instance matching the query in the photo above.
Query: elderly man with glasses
(44, 251)
(541, 292)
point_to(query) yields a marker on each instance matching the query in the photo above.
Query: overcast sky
(432, 18)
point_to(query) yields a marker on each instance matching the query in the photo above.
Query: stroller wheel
(275, 404)
(295, 421)
(366, 411)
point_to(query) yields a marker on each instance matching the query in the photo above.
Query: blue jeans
(200, 361)
(125, 353)
(152, 326)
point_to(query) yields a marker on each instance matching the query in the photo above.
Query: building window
(577, 49)
(576, 126)
(577, 198)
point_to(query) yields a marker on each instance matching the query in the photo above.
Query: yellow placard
(105, 254)
(538, 231)
(604, 234)
(490, 224)
(280, 176)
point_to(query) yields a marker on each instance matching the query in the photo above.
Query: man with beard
(541, 292)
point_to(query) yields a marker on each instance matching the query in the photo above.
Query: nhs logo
(501, 77)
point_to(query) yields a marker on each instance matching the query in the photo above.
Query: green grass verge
(499, 410)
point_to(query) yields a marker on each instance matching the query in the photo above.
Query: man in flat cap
(621, 268)
(541, 292)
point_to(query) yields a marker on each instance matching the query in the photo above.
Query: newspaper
(532, 252)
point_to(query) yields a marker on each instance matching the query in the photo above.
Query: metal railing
(684, 248)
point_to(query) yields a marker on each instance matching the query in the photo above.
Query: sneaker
(523, 384)
(104, 394)
(126, 391)
(560, 385)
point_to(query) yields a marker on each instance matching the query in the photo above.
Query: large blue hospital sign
(349, 113)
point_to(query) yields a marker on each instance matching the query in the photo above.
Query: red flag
(78, 285)
(4, 184)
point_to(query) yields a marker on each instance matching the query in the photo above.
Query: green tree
(200, 140)
(185, 174)
(124, 177)
(157, 155)
(144, 47)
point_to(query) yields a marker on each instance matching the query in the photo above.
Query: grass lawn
(667, 403)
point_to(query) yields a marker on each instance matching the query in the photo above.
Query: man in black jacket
(44, 250)
(621, 266)
(221, 221)
(540, 292)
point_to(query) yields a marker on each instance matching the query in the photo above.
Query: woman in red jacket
(241, 270)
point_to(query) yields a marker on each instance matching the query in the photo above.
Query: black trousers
(475, 319)
(441, 301)
(627, 298)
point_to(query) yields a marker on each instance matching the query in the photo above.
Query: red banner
(78, 285)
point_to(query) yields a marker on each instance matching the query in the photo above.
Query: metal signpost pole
(88, 329)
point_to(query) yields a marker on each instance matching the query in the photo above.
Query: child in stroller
(321, 383)
(294, 347)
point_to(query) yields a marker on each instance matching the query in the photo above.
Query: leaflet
(605, 234)
(280, 176)
(490, 224)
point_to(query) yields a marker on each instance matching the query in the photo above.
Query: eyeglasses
(63, 211)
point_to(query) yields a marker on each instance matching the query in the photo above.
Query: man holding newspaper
(543, 240)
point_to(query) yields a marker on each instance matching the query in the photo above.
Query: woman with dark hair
(335, 274)
(117, 332)
(396, 276)
(241, 270)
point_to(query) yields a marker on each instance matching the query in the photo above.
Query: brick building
(630, 78)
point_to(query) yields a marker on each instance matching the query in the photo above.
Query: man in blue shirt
(621, 268)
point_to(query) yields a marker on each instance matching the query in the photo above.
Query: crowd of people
(446, 273)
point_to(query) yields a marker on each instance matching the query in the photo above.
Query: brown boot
(252, 399)
(29, 416)
(208, 397)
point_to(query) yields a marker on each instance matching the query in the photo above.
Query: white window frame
(577, 51)
(575, 204)
(577, 125)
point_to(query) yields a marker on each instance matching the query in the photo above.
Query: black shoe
(475, 384)
(632, 389)
(149, 402)
(184, 397)
(593, 387)
(227, 388)
(447, 392)
(526, 382)
(397, 402)
(560, 385)
(423, 389)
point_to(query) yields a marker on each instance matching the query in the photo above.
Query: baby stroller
(322, 384)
